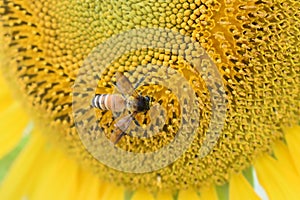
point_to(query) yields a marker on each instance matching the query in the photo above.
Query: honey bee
(128, 99)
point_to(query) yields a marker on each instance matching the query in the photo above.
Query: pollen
(253, 44)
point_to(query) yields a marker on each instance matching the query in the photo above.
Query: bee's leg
(115, 85)
(119, 137)
(136, 121)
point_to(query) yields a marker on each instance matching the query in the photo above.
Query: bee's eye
(147, 98)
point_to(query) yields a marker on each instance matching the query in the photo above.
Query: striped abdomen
(113, 102)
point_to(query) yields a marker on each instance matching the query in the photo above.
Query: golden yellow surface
(255, 45)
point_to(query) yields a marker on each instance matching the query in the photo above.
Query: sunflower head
(223, 79)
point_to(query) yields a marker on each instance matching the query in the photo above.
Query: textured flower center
(254, 46)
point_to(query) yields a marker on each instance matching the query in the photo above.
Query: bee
(128, 99)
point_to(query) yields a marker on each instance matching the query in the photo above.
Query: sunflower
(223, 78)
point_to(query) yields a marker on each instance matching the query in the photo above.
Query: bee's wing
(124, 86)
(121, 126)
(117, 135)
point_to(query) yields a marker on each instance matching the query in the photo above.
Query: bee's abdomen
(100, 101)
(113, 102)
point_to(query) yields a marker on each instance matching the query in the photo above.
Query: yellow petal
(12, 120)
(188, 194)
(89, 186)
(16, 181)
(111, 192)
(293, 140)
(5, 100)
(142, 195)
(284, 156)
(239, 188)
(278, 177)
(42, 171)
(5, 96)
(12, 124)
(164, 196)
(208, 193)
(57, 178)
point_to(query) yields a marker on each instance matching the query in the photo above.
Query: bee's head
(144, 104)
